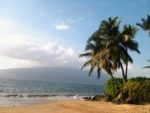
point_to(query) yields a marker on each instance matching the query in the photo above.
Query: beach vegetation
(113, 88)
(108, 49)
(135, 91)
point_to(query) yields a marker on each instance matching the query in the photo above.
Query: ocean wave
(40, 96)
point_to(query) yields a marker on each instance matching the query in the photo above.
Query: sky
(52, 33)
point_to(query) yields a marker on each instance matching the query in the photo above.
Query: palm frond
(88, 54)
(145, 25)
(91, 69)
(86, 64)
(98, 72)
(146, 67)
(142, 26)
(133, 46)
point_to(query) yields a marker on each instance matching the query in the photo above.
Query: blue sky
(45, 32)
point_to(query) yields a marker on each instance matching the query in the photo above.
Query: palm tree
(124, 41)
(145, 25)
(97, 59)
(110, 47)
(94, 47)
(127, 40)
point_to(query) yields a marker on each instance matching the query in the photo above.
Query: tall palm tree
(117, 55)
(145, 25)
(97, 57)
(127, 40)
(124, 40)
(109, 52)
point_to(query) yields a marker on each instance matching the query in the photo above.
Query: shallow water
(23, 92)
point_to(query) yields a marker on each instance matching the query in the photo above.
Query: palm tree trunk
(123, 73)
(126, 72)
(98, 72)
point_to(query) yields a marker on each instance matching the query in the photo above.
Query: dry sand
(77, 106)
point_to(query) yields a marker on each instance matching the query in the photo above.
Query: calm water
(23, 92)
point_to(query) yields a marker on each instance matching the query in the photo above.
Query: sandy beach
(77, 106)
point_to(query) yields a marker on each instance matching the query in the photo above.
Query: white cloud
(29, 53)
(62, 26)
(9, 62)
(7, 26)
(19, 49)
(67, 23)
(134, 71)
(5, 23)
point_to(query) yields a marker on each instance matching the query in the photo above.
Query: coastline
(77, 106)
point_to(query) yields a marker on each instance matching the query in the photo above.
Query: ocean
(25, 92)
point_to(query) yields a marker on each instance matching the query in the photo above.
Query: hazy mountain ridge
(58, 74)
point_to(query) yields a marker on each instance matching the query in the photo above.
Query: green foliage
(136, 90)
(145, 25)
(107, 48)
(112, 88)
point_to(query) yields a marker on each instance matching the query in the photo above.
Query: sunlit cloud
(67, 23)
(7, 26)
(9, 63)
(33, 53)
(62, 26)
(19, 49)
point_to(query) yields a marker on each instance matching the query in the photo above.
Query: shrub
(136, 91)
(112, 88)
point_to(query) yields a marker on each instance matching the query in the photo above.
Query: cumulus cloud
(9, 62)
(18, 49)
(29, 53)
(62, 26)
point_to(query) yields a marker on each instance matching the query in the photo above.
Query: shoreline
(77, 106)
(27, 101)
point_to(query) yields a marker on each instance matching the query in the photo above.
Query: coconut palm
(127, 40)
(110, 47)
(94, 46)
(117, 55)
(123, 40)
(98, 59)
(145, 25)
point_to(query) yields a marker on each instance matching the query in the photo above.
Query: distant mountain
(58, 74)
